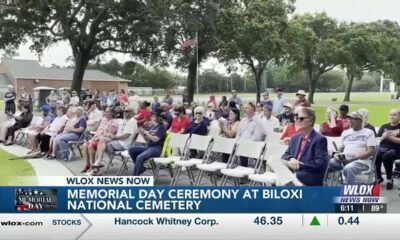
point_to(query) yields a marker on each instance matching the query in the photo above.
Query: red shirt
(122, 98)
(178, 124)
(331, 132)
(345, 123)
(290, 130)
(302, 103)
(142, 116)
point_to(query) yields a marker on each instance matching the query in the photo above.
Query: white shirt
(356, 142)
(134, 102)
(94, 116)
(251, 129)
(269, 124)
(56, 125)
(277, 105)
(74, 100)
(127, 126)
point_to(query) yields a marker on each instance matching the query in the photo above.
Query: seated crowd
(112, 124)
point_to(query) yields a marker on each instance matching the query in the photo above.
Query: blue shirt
(266, 102)
(48, 119)
(168, 117)
(197, 128)
(81, 124)
(160, 131)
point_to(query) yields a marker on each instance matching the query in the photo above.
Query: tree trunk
(312, 80)
(81, 61)
(398, 91)
(191, 79)
(350, 78)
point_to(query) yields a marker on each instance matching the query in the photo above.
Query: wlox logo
(360, 190)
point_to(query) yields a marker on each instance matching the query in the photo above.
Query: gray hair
(310, 113)
(365, 113)
(80, 109)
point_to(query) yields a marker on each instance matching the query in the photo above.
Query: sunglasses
(198, 113)
(352, 118)
(296, 117)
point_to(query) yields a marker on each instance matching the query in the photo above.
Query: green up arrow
(315, 222)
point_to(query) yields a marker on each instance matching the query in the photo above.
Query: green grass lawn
(378, 113)
(378, 104)
(15, 172)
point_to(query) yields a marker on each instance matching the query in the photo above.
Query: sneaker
(98, 165)
(50, 157)
(389, 184)
(66, 159)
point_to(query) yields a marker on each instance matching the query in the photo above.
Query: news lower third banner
(132, 208)
(56, 199)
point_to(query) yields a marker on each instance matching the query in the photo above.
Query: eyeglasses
(198, 113)
(296, 117)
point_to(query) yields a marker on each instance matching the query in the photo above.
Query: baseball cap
(288, 105)
(45, 108)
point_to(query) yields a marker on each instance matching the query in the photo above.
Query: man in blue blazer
(307, 154)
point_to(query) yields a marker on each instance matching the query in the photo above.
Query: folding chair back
(250, 149)
(199, 143)
(214, 131)
(273, 137)
(178, 140)
(274, 149)
(223, 145)
(331, 141)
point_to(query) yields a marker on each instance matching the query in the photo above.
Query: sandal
(30, 152)
(86, 169)
(98, 165)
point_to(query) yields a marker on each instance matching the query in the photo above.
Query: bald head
(394, 116)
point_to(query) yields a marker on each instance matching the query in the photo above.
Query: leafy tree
(314, 46)
(185, 18)
(391, 37)
(256, 36)
(91, 27)
(332, 80)
(364, 51)
(212, 81)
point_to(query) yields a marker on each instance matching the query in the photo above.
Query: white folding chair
(246, 148)
(178, 141)
(199, 143)
(22, 135)
(74, 146)
(220, 145)
(124, 159)
(214, 131)
(331, 143)
(274, 150)
(273, 137)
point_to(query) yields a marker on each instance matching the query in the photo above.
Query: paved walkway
(40, 166)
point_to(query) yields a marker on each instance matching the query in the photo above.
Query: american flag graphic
(188, 43)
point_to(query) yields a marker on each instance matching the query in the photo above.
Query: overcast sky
(343, 10)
